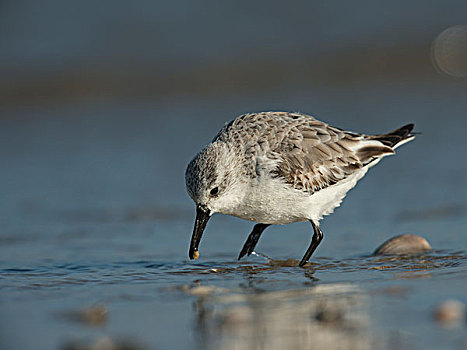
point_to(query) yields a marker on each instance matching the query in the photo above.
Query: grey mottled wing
(309, 154)
(315, 155)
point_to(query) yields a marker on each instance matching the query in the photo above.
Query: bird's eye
(214, 191)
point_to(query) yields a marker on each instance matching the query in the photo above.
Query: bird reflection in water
(331, 316)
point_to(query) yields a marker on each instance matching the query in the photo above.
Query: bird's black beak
(202, 217)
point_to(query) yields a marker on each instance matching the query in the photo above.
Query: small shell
(94, 316)
(450, 312)
(196, 255)
(403, 245)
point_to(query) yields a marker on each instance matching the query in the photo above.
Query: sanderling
(279, 168)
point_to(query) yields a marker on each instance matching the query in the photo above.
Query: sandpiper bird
(279, 168)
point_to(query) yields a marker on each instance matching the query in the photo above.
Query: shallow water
(95, 213)
(367, 302)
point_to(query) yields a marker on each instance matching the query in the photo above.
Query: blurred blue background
(102, 105)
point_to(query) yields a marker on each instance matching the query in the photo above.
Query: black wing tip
(392, 138)
(403, 131)
(409, 128)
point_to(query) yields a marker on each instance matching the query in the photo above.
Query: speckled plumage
(279, 167)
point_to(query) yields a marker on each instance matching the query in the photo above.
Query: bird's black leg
(252, 240)
(315, 241)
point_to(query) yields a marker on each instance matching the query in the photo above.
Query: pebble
(103, 343)
(450, 312)
(329, 316)
(405, 244)
(201, 291)
(93, 316)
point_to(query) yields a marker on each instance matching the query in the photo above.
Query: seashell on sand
(405, 244)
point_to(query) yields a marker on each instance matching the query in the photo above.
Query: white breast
(269, 200)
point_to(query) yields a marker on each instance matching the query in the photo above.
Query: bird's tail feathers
(397, 137)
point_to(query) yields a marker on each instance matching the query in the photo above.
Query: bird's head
(212, 180)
